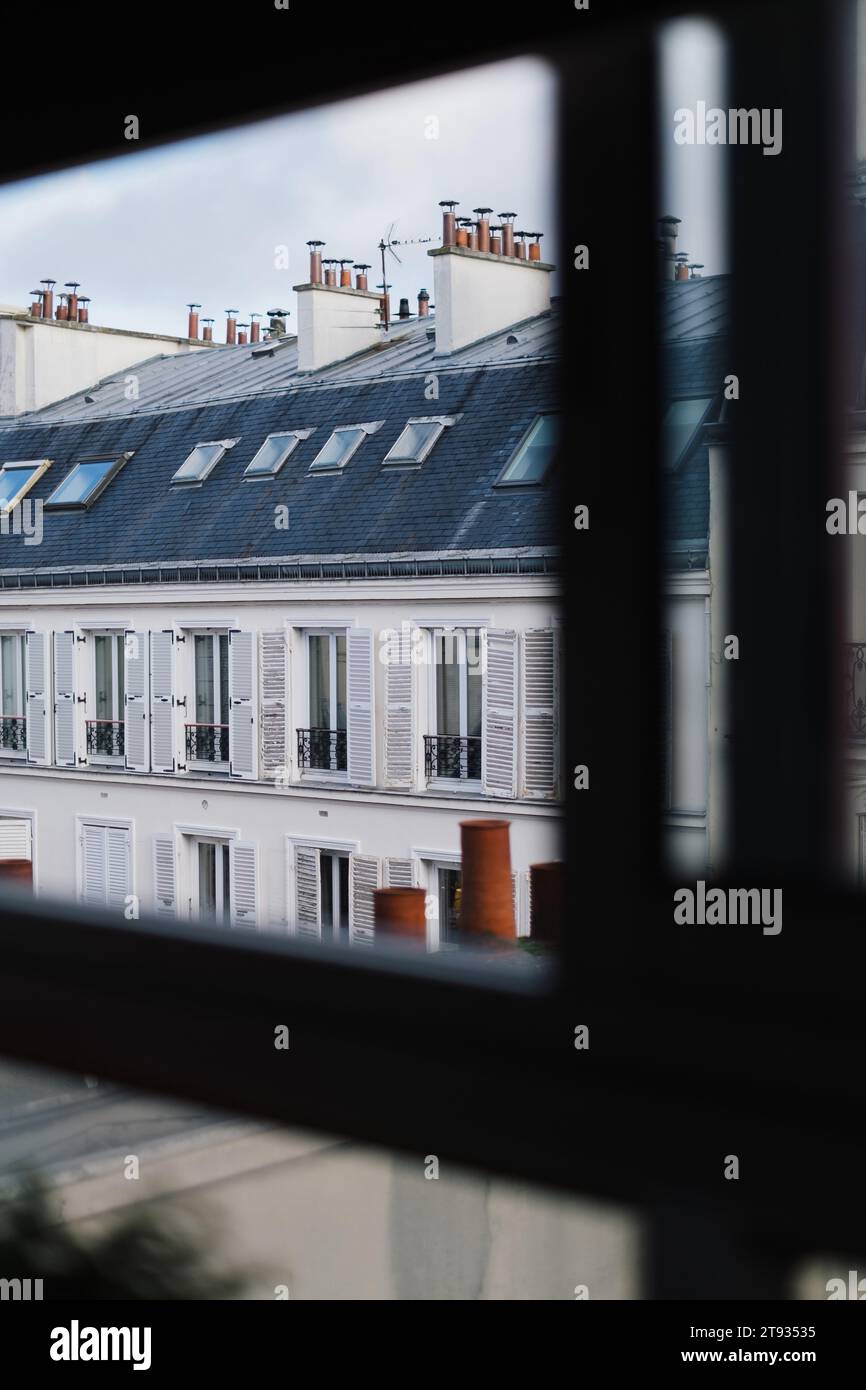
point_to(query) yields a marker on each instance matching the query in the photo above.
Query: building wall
(686, 618)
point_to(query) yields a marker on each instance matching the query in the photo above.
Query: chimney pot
(72, 300)
(255, 328)
(231, 327)
(62, 311)
(330, 272)
(36, 306)
(535, 248)
(487, 904)
(83, 314)
(462, 233)
(448, 221)
(192, 324)
(423, 304)
(507, 219)
(401, 912)
(483, 228)
(48, 298)
(495, 241)
(345, 264)
(668, 232)
(243, 338)
(547, 895)
(361, 269)
(404, 309)
(520, 248)
(207, 331)
(315, 262)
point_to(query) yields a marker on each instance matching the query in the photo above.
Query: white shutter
(308, 907)
(666, 749)
(93, 864)
(524, 921)
(365, 874)
(401, 873)
(162, 701)
(136, 736)
(243, 865)
(515, 899)
(14, 838)
(360, 743)
(275, 748)
(242, 729)
(399, 724)
(540, 697)
(164, 876)
(499, 745)
(118, 863)
(64, 699)
(36, 683)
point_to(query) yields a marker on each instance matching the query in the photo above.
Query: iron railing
(451, 755)
(105, 737)
(207, 743)
(13, 733)
(322, 749)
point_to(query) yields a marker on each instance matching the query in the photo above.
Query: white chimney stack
(480, 292)
(334, 322)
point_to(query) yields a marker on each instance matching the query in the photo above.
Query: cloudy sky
(203, 220)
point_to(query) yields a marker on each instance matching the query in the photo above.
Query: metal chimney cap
(84, 299)
(668, 218)
(255, 316)
(423, 294)
(231, 311)
(482, 210)
(279, 313)
(506, 214)
(361, 265)
(189, 306)
(315, 243)
(345, 260)
(48, 281)
(449, 202)
(72, 284)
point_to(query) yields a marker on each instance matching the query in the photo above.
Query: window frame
(118, 461)
(403, 461)
(20, 638)
(331, 633)
(40, 467)
(503, 481)
(297, 437)
(224, 445)
(117, 639)
(214, 766)
(672, 467)
(470, 786)
(329, 469)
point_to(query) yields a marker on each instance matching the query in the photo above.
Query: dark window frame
(119, 462)
(502, 481)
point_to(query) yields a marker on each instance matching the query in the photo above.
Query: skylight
(681, 424)
(202, 461)
(17, 478)
(534, 453)
(335, 454)
(88, 479)
(415, 441)
(273, 453)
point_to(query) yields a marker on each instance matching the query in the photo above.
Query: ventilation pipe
(36, 306)
(507, 219)
(483, 228)
(72, 300)
(361, 269)
(423, 304)
(83, 315)
(255, 328)
(192, 324)
(231, 327)
(48, 298)
(449, 222)
(207, 331)
(315, 262)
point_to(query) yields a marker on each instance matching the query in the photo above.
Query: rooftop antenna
(388, 242)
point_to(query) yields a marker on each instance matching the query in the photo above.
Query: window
(334, 896)
(16, 479)
(416, 441)
(335, 454)
(202, 461)
(323, 746)
(534, 454)
(272, 455)
(105, 731)
(13, 723)
(105, 864)
(211, 881)
(88, 479)
(448, 880)
(681, 424)
(453, 748)
(207, 739)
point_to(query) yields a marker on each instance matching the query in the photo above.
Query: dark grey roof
(695, 308)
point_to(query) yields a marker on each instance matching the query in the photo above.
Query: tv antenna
(388, 243)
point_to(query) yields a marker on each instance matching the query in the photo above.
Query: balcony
(105, 738)
(13, 733)
(322, 750)
(855, 689)
(207, 743)
(452, 756)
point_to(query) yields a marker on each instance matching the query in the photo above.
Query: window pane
(207, 880)
(7, 661)
(82, 481)
(224, 679)
(449, 902)
(337, 449)
(204, 692)
(272, 454)
(120, 681)
(340, 643)
(104, 687)
(320, 683)
(474, 684)
(534, 457)
(326, 889)
(202, 458)
(681, 421)
(12, 480)
(413, 441)
(343, 868)
(447, 683)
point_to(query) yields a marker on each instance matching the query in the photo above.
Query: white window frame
(332, 633)
(293, 436)
(15, 813)
(224, 446)
(460, 630)
(20, 685)
(430, 861)
(223, 911)
(10, 466)
(220, 766)
(343, 849)
(366, 429)
(117, 664)
(443, 421)
(335, 935)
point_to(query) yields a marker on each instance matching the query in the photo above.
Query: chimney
(277, 322)
(682, 267)
(345, 263)
(400, 912)
(520, 248)
(547, 887)
(463, 226)
(330, 274)
(449, 222)
(83, 314)
(36, 306)
(404, 309)
(315, 262)
(336, 321)
(507, 232)
(192, 321)
(255, 328)
(231, 327)
(384, 303)
(483, 228)
(423, 304)
(473, 236)
(72, 300)
(668, 235)
(243, 337)
(478, 293)
(495, 241)
(695, 267)
(62, 313)
(48, 298)
(486, 900)
(361, 277)
(207, 331)
(535, 248)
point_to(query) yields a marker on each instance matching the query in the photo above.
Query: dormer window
(88, 479)
(335, 454)
(416, 440)
(681, 424)
(202, 461)
(534, 454)
(274, 452)
(16, 479)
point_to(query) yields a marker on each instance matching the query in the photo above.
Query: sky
(205, 219)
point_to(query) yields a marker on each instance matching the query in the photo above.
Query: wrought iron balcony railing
(450, 755)
(322, 750)
(207, 743)
(855, 689)
(105, 738)
(13, 733)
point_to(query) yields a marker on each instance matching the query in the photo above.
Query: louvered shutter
(105, 865)
(242, 728)
(164, 876)
(401, 873)
(499, 745)
(308, 908)
(136, 686)
(360, 741)
(36, 683)
(14, 838)
(64, 699)
(243, 866)
(666, 749)
(540, 696)
(274, 749)
(365, 874)
(93, 869)
(399, 723)
(118, 865)
(162, 701)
